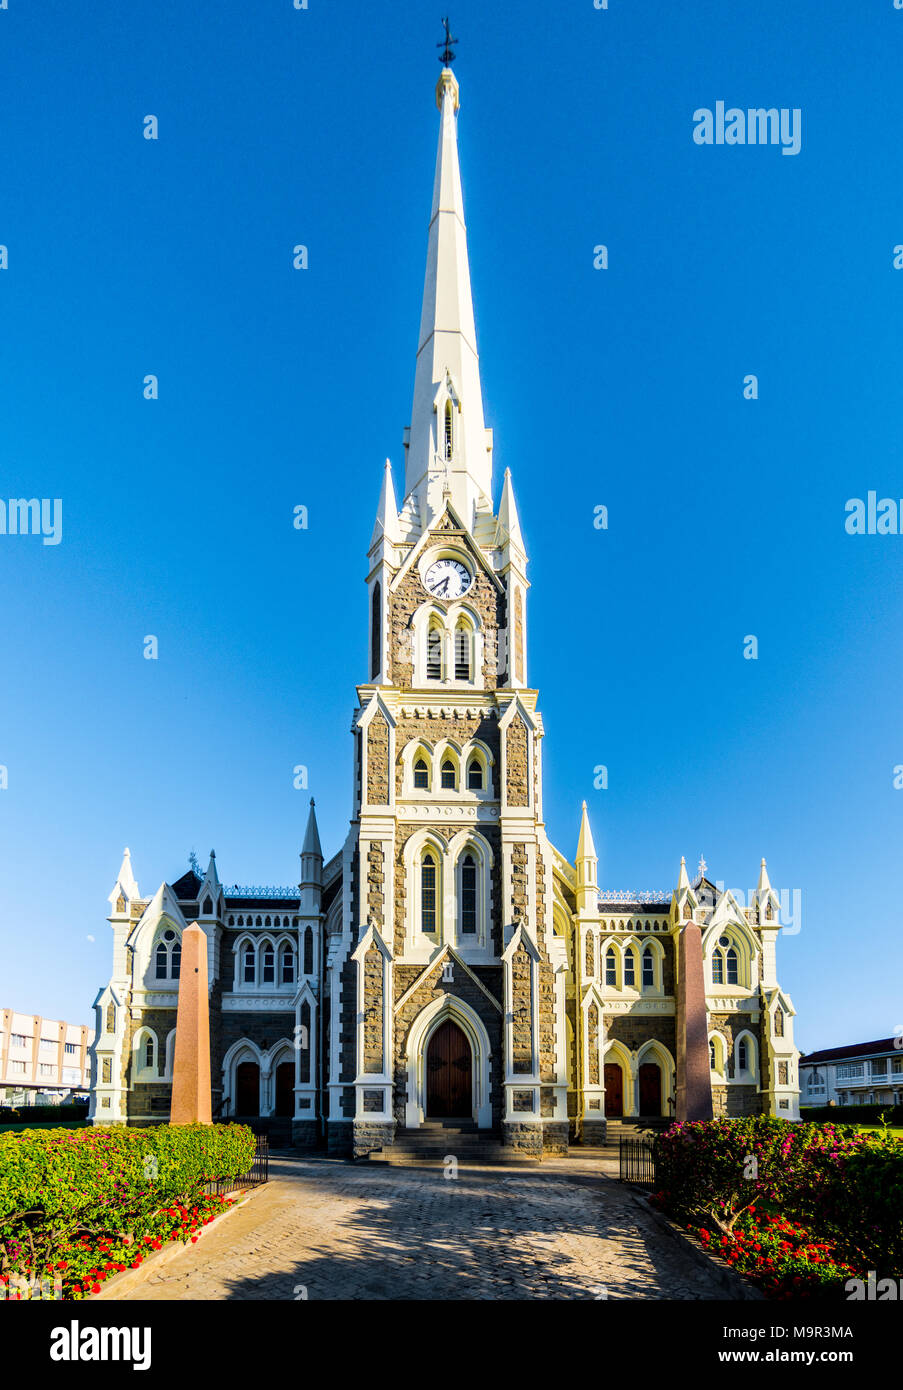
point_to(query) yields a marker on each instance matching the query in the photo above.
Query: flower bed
(797, 1208)
(87, 1260)
(82, 1204)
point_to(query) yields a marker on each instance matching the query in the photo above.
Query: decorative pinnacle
(447, 45)
(702, 867)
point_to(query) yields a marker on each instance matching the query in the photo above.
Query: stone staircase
(632, 1127)
(437, 1140)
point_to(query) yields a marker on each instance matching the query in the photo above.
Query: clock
(447, 578)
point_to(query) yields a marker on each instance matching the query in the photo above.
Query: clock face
(447, 578)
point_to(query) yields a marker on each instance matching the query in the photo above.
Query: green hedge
(56, 1183)
(840, 1182)
(853, 1114)
(20, 1114)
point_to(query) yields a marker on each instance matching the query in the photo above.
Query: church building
(449, 965)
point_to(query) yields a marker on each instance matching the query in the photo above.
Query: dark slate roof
(840, 1054)
(187, 886)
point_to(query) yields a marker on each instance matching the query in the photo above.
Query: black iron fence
(636, 1161)
(258, 1172)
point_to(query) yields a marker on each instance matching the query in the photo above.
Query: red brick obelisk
(694, 1078)
(191, 1099)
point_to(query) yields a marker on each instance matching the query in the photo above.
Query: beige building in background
(42, 1059)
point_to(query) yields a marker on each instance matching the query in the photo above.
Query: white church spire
(448, 446)
(386, 525)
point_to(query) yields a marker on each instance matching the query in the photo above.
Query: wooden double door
(449, 1074)
(650, 1089)
(247, 1089)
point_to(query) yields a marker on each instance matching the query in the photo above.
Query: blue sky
(621, 387)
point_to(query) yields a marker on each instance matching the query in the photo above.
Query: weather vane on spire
(447, 46)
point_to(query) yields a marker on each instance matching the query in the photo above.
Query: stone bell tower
(449, 984)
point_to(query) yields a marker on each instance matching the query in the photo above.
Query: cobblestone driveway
(361, 1231)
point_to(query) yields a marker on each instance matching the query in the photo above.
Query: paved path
(327, 1229)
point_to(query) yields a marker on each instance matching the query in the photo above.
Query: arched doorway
(247, 1088)
(285, 1089)
(449, 1073)
(614, 1089)
(650, 1088)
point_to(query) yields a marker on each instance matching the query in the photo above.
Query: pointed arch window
(421, 774)
(287, 966)
(630, 969)
(207, 909)
(611, 966)
(429, 900)
(475, 775)
(268, 971)
(175, 960)
(449, 430)
(648, 969)
(733, 971)
(718, 966)
(743, 1055)
(713, 1058)
(449, 776)
(463, 650)
(434, 642)
(250, 965)
(308, 951)
(468, 895)
(375, 631)
(161, 962)
(150, 1053)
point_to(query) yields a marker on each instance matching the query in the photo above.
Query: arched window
(718, 967)
(175, 960)
(421, 775)
(611, 966)
(648, 969)
(161, 962)
(250, 970)
(428, 896)
(375, 631)
(743, 1054)
(475, 775)
(308, 951)
(449, 775)
(630, 969)
(463, 642)
(150, 1052)
(713, 1059)
(468, 895)
(268, 971)
(287, 966)
(449, 430)
(208, 907)
(434, 639)
(733, 975)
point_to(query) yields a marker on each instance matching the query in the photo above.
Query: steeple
(125, 885)
(311, 853)
(386, 525)
(586, 865)
(508, 531)
(448, 446)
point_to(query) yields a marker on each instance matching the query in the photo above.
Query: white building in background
(860, 1074)
(42, 1060)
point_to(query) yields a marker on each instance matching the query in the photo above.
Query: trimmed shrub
(840, 1182)
(57, 1184)
(853, 1114)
